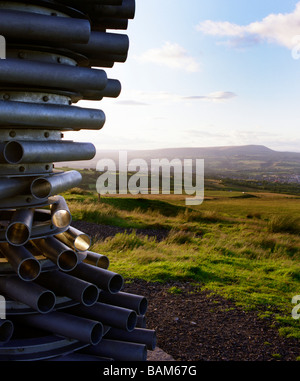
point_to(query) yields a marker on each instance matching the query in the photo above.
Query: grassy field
(243, 246)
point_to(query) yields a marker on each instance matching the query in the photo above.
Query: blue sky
(206, 73)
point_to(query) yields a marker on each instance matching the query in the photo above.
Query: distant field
(244, 246)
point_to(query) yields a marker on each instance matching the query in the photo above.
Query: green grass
(287, 223)
(245, 249)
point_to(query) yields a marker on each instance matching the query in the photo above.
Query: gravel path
(196, 326)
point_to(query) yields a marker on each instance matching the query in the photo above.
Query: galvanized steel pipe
(60, 254)
(43, 187)
(85, 330)
(96, 259)
(60, 213)
(102, 278)
(29, 293)
(16, 152)
(66, 285)
(22, 261)
(37, 27)
(108, 315)
(138, 335)
(19, 230)
(56, 52)
(137, 303)
(49, 116)
(75, 238)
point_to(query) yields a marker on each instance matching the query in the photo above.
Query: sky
(205, 73)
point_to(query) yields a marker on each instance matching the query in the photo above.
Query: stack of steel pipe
(62, 302)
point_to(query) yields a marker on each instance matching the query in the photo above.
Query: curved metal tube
(60, 213)
(21, 260)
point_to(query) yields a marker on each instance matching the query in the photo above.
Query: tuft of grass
(180, 237)
(210, 216)
(126, 242)
(175, 290)
(284, 224)
(79, 191)
(276, 356)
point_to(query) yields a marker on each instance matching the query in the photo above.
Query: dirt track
(195, 326)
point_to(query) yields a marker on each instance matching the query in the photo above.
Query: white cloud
(278, 28)
(130, 102)
(171, 55)
(161, 97)
(217, 96)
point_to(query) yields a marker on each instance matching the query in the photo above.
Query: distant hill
(227, 160)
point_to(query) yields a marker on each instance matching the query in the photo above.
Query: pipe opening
(154, 340)
(90, 295)
(6, 331)
(40, 188)
(96, 333)
(144, 353)
(18, 234)
(46, 302)
(61, 218)
(131, 321)
(143, 306)
(115, 284)
(67, 260)
(103, 262)
(98, 260)
(29, 269)
(13, 152)
(82, 242)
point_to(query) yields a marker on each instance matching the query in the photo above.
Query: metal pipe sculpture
(54, 287)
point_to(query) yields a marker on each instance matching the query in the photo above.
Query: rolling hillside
(240, 161)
